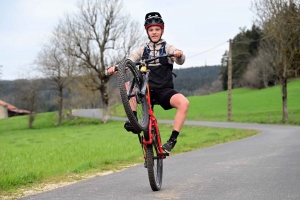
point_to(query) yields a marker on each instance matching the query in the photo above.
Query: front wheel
(130, 82)
(154, 167)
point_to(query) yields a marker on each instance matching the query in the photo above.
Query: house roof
(12, 108)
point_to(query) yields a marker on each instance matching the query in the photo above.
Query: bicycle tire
(128, 74)
(154, 167)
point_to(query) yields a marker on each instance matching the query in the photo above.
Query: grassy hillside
(259, 106)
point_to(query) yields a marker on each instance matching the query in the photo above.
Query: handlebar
(156, 57)
(148, 60)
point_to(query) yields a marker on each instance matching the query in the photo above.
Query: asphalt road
(264, 166)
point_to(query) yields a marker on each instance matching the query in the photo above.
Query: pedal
(163, 155)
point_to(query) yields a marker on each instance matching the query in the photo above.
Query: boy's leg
(133, 105)
(181, 103)
(132, 100)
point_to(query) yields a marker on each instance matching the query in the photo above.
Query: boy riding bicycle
(160, 78)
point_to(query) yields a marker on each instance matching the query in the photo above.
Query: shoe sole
(131, 129)
(167, 151)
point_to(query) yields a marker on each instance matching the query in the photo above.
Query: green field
(50, 154)
(254, 106)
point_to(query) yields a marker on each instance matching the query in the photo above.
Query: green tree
(244, 48)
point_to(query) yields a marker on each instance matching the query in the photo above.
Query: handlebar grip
(117, 69)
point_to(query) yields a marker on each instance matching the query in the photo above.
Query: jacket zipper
(154, 52)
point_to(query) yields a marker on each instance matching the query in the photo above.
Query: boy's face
(155, 33)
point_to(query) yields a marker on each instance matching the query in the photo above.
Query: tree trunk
(31, 100)
(60, 106)
(104, 97)
(265, 81)
(70, 106)
(31, 120)
(284, 99)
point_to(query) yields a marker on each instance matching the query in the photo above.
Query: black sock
(174, 135)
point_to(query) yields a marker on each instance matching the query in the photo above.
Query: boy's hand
(111, 70)
(177, 53)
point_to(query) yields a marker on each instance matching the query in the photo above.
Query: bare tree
(280, 21)
(84, 98)
(27, 89)
(58, 69)
(70, 63)
(261, 70)
(100, 35)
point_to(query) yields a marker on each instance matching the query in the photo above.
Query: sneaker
(129, 127)
(169, 145)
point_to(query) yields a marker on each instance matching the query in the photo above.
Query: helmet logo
(154, 16)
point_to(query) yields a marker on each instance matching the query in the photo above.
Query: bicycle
(135, 93)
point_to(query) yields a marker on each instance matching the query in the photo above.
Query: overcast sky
(194, 26)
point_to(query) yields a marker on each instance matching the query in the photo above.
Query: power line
(234, 42)
(207, 50)
(246, 42)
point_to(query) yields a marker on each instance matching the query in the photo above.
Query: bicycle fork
(154, 139)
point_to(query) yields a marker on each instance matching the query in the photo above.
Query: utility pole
(229, 81)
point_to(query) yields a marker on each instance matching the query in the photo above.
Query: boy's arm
(178, 60)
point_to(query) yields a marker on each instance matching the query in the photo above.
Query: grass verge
(81, 147)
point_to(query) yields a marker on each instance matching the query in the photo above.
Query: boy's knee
(186, 104)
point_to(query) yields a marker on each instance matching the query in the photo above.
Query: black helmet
(153, 19)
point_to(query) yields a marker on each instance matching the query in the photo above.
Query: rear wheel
(130, 82)
(154, 167)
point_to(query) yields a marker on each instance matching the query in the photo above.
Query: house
(8, 110)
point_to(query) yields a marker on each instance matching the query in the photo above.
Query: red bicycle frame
(153, 124)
